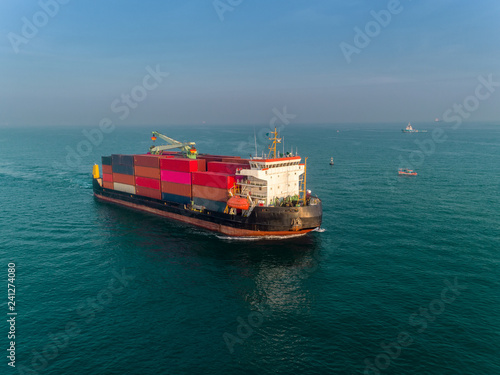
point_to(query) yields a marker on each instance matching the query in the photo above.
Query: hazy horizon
(237, 63)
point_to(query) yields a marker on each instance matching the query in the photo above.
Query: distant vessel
(409, 129)
(331, 161)
(406, 172)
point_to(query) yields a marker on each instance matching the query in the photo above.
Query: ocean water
(403, 277)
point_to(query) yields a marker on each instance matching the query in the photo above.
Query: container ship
(257, 197)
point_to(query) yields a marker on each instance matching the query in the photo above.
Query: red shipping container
(150, 183)
(218, 180)
(209, 158)
(108, 185)
(107, 169)
(212, 193)
(123, 179)
(177, 177)
(232, 160)
(202, 165)
(148, 192)
(172, 153)
(227, 168)
(179, 165)
(147, 172)
(147, 160)
(107, 177)
(223, 156)
(177, 189)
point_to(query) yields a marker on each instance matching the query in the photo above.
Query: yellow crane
(188, 149)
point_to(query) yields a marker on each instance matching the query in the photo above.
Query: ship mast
(272, 147)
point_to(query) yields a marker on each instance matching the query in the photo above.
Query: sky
(77, 62)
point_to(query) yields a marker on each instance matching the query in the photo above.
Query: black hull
(263, 221)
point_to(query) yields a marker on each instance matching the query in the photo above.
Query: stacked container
(123, 173)
(227, 168)
(175, 175)
(147, 176)
(107, 173)
(210, 189)
(173, 179)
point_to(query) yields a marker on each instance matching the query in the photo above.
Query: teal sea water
(403, 278)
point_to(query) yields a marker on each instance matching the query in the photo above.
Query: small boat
(409, 129)
(331, 161)
(406, 172)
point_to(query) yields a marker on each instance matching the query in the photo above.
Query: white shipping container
(125, 188)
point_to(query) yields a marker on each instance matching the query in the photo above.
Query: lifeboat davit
(238, 202)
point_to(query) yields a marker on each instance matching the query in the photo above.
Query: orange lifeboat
(238, 202)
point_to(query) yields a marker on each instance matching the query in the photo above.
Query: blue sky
(262, 55)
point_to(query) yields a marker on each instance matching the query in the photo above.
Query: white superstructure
(271, 179)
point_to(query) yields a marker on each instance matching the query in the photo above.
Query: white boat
(409, 129)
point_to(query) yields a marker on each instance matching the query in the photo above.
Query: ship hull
(262, 222)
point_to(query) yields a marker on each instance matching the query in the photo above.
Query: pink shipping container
(218, 180)
(179, 165)
(227, 168)
(177, 177)
(146, 182)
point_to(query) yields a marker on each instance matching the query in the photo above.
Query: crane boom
(187, 148)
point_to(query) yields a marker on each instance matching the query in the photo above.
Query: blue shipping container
(210, 205)
(122, 159)
(123, 169)
(175, 198)
(106, 160)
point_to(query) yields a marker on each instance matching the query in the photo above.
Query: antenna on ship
(255, 139)
(272, 147)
